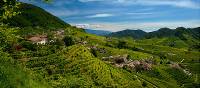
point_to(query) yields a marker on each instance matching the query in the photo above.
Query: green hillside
(32, 16)
(181, 37)
(72, 58)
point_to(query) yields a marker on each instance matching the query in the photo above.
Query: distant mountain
(179, 37)
(32, 16)
(137, 34)
(162, 32)
(179, 32)
(97, 32)
(195, 32)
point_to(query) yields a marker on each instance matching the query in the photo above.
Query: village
(43, 39)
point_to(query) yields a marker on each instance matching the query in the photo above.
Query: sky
(116, 15)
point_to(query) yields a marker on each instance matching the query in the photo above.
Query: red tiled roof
(37, 38)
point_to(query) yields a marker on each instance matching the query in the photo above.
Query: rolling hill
(136, 34)
(163, 32)
(178, 32)
(180, 37)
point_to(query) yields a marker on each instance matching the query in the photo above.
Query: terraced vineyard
(72, 58)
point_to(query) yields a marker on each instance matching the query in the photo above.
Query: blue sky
(115, 15)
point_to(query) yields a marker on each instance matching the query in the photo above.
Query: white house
(42, 42)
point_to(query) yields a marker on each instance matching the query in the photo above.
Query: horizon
(118, 15)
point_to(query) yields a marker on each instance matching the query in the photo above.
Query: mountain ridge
(128, 32)
(162, 32)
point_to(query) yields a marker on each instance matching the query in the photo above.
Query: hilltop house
(40, 39)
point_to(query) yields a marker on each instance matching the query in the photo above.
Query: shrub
(94, 52)
(144, 84)
(29, 45)
(122, 44)
(68, 40)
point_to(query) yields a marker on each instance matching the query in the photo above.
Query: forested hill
(162, 32)
(179, 32)
(179, 37)
(137, 34)
(34, 16)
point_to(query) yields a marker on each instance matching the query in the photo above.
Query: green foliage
(28, 45)
(180, 76)
(8, 37)
(122, 44)
(94, 52)
(13, 76)
(8, 9)
(68, 40)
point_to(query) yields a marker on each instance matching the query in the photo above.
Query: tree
(68, 40)
(7, 8)
(144, 84)
(122, 44)
(7, 37)
(29, 45)
(94, 52)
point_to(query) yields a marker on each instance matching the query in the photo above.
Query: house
(39, 40)
(83, 42)
(60, 32)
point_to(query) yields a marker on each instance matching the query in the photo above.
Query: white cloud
(146, 26)
(61, 2)
(100, 15)
(63, 12)
(143, 13)
(175, 3)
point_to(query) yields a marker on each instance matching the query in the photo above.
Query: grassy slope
(13, 75)
(156, 50)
